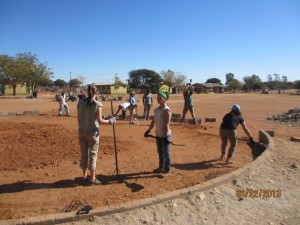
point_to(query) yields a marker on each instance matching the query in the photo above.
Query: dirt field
(39, 155)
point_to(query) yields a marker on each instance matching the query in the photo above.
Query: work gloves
(147, 133)
(112, 120)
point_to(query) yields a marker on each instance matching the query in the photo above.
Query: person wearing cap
(188, 102)
(147, 102)
(161, 120)
(228, 131)
(131, 107)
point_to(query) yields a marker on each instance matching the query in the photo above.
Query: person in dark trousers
(228, 131)
(161, 120)
(147, 102)
(188, 102)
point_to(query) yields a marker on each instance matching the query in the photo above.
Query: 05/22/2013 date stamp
(258, 193)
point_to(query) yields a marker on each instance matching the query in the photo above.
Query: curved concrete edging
(264, 138)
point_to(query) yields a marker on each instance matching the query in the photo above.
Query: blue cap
(235, 107)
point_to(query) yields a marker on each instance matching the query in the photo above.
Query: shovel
(170, 142)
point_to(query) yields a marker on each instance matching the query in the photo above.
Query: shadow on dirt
(125, 178)
(29, 185)
(79, 181)
(201, 165)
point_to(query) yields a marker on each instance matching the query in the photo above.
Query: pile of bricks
(292, 117)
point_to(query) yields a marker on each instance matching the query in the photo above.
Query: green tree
(179, 81)
(284, 79)
(229, 78)
(252, 82)
(82, 79)
(60, 83)
(10, 71)
(275, 83)
(214, 81)
(235, 85)
(269, 78)
(168, 77)
(118, 83)
(297, 84)
(24, 68)
(172, 79)
(144, 78)
(74, 82)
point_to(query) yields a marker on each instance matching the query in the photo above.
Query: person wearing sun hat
(161, 120)
(228, 130)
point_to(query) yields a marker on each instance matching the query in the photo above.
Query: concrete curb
(20, 113)
(264, 138)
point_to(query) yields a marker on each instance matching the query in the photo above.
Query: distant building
(166, 88)
(109, 88)
(209, 87)
(21, 89)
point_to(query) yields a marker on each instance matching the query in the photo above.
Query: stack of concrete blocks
(120, 98)
(176, 117)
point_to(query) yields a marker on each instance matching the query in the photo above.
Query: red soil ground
(39, 155)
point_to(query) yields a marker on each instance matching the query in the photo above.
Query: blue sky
(201, 39)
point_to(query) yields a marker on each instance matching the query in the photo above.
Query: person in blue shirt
(132, 107)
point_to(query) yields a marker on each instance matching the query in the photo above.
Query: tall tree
(144, 78)
(276, 77)
(24, 68)
(74, 82)
(60, 83)
(235, 85)
(252, 82)
(229, 78)
(168, 77)
(118, 83)
(269, 78)
(10, 71)
(214, 81)
(297, 84)
(82, 79)
(180, 79)
(284, 79)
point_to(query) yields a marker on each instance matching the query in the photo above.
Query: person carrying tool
(132, 107)
(161, 120)
(188, 102)
(228, 131)
(122, 107)
(89, 116)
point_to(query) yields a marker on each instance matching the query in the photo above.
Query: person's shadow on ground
(29, 185)
(201, 165)
(79, 181)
